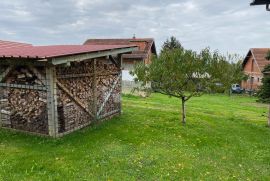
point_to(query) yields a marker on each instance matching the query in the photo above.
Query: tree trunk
(269, 116)
(183, 111)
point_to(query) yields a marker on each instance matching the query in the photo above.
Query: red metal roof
(42, 52)
(10, 44)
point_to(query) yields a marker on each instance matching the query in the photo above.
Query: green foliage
(226, 139)
(171, 44)
(268, 55)
(178, 73)
(226, 70)
(184, 73)
(264, 91)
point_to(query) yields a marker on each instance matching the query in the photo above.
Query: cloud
(230, 25)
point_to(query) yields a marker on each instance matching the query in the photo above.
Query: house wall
(254, 73)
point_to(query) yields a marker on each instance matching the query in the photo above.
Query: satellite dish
(261, 2)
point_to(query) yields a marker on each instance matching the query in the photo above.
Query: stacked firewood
(75, 68)
(5, 112)
(22, 75)
(70, 113)
(29, 110)
(24, 109)
(104, 86)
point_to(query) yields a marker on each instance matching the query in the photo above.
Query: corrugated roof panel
(55, 50)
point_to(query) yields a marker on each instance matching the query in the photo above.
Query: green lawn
(225, 138)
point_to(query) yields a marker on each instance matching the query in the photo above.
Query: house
(144, 54)
(253, 65)
(55, 90)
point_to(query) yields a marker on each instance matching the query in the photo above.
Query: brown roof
(259, 55)
(144, 50)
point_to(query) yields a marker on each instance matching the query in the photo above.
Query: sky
(226, 25)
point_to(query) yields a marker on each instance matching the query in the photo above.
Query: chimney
(134, 36)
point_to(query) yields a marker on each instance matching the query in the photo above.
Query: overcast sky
(227, 25)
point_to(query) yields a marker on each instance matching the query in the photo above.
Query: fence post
(95, 90)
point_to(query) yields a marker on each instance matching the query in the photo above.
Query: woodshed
(55, 90)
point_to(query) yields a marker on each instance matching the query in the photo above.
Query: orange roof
(143, 49)
(259, 55)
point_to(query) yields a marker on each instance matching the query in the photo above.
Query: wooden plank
(39, 75)
(95, 89)
(108, 95)
(86, 56)
(21, 62)
(77, 101)
(118, 64)
(109, 114)
(6, 73)
(86, 75)
(24, 86)
(52, 101)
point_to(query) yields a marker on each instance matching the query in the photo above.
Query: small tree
(178, 73)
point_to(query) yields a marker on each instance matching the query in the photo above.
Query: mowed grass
(225, 138)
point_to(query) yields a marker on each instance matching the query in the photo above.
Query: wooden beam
(95, 89)
(52, 101)
(39, 75)
(24, 86)
(6, 73)
(118, 65)
(86, 75)
(20, 62)
(86, 56)
(110, 113)
(108, 95)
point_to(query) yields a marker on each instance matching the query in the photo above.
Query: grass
(225, 138)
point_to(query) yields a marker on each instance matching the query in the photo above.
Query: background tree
(226, 70)
(264, 92)
(268, 55)
(170, 44)
(176, 72)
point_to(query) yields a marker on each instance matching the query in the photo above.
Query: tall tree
(264, 92)
(268, 55)
(176, 72)
(170, 44)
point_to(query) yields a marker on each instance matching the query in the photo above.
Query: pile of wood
(22, 75)
(104, 86)
(29, 110)
(5, 112)
(24, 109)
(73, 107)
